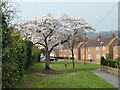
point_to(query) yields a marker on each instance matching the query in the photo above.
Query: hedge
(16, 57)
(110, 63)
(61, 57)
(113, 63)
(17, 54)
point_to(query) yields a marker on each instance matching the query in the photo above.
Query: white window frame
(97, 56)
(61, 55)
(64, 55)
(65, 50)
(116, 47)
(97, 48)
(83, 56)
(116, 56)
(89, 57)
(74, 56)
(104, 48)
(89, 48)
(74, 49)
(83, 49)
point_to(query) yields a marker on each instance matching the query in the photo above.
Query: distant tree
(78, 27)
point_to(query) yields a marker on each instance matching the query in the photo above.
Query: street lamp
(101, 47)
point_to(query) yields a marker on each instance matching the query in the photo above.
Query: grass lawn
(81, 78)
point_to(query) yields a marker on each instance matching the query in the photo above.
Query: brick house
(92, 49)
(116, 50)
(95, 48)
(65, 52)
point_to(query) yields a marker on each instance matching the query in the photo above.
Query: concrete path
(112, 79)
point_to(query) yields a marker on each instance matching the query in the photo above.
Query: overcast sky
(103, 16)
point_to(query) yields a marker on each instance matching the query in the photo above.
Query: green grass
(82, 77)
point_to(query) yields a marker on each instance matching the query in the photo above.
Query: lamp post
(85, 49)
(101, 47)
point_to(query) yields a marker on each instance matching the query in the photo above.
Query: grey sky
(103, 16)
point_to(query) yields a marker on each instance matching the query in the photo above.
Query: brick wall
(116, 51)
(111, 48)
(93, 52)
(67, 52)
(119, 51)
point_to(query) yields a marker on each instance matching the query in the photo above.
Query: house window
(97, 48)
(116, 56)
(83, 49)
(83, 56)
(64, 55)
(89, 56)
(61, 50)
(97, 56)
(89, 49)
(65, 50)
(61, 55)
(70, 50)
(116, 47)
(104, 56)
(74, 49)
(74, 56)
(104, 47)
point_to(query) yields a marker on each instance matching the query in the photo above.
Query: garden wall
(111, 70)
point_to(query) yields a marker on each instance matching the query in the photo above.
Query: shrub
(102, 60)
(16, 57)
(61, 57)
(71, 57)
(113, 63)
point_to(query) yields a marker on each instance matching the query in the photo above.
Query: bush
(104, 61)
(113, 63)
(16, 57)
(110, 63)
(16, 53)
(71, 57)
(61, 57)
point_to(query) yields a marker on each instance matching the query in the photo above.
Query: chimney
(113, 35)
(99, 37)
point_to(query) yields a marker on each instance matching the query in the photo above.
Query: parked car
(53, 59)
(41, 57)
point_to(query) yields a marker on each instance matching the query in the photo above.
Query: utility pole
(101, 47)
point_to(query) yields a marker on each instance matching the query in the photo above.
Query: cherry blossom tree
(77, 27)
(44, 31)
(48, 32)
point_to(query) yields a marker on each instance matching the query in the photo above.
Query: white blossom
(48, 31)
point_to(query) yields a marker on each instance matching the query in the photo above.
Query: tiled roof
(95, 42)
(75, 46)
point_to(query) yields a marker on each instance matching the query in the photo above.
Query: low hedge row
(110, 63)
(61, 57)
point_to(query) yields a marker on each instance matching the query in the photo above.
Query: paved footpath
(112, 79)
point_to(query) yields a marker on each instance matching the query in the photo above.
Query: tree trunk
(47, 67)
(73, 60)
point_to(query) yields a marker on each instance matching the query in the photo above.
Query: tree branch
(58, 43)
(40, 44)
